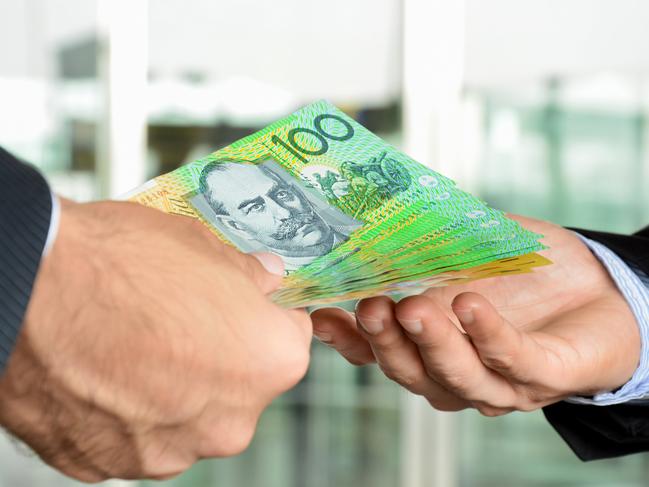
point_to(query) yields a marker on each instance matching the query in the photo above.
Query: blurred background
(539, 107)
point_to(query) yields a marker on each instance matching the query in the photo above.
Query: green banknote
(350, 214)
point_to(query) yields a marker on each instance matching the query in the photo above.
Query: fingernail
(465, 315)
(372, 326)
(412, 326)
(323, 337)
(271, 262)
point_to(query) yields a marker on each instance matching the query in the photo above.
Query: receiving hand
(501, 344)
(147, 345)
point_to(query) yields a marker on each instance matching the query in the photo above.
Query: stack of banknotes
(350, 215)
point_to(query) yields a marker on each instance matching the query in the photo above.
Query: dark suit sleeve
(595, 432)
(25, 212)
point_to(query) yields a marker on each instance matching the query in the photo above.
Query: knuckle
(436, 338)
(355, 361)
(294, 368)
(90, 477)
(82, 475)
(406, 379)
(491, 411)
(390, 374)
(527, 406)
(445, 406)
(530, 400)
(346, 349)
(356, 355)
(239, 442)
(153, 470)
(300, 364)
(228, 440)
(329, 344)
(389, 342)
(168, 475)
(456, 382)
(429, 344)
(503, 361)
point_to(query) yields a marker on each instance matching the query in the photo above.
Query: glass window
(538, 138)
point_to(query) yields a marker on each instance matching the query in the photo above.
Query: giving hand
(147, 345)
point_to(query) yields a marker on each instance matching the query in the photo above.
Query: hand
(147, 345)
(501, 344)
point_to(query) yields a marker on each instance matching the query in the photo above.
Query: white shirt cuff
(636, 294)
(54, 225)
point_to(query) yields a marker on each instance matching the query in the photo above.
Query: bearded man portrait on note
(261, 204)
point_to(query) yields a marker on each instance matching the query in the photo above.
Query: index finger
(337, 328)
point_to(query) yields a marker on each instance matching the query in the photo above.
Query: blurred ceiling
(509, 41)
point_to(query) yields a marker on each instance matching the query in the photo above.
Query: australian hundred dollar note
(336, 202)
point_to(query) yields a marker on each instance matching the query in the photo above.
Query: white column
(433, 72)
(123, 65)
(428, 445)
(121, 135)
(120, 483)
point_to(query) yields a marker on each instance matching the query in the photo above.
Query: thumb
(264, 268)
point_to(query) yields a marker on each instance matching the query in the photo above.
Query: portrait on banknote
(261, 207)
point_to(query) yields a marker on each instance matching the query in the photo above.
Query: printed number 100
(320, 134)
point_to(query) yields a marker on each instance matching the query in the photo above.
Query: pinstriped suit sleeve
(25, 213)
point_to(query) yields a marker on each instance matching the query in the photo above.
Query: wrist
(28, 367)
(58, 290)
(628, 364)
